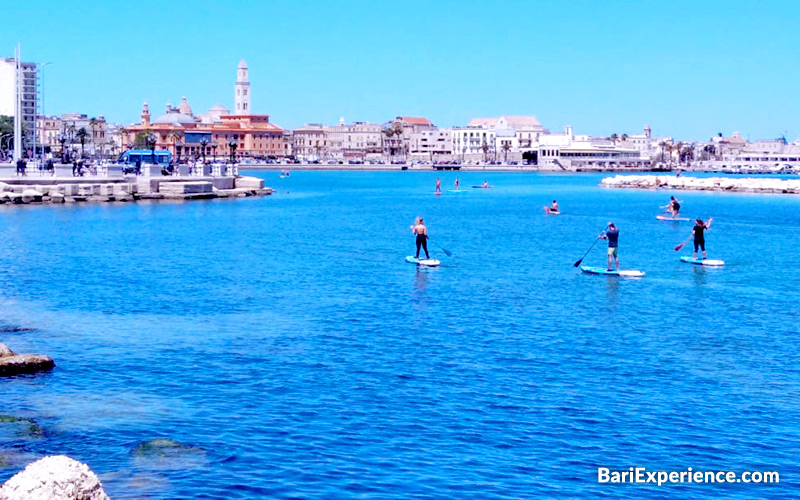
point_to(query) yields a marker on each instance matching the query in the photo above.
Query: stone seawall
(18, 192)
(743, 184)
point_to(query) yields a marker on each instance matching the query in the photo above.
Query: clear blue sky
(690, 69)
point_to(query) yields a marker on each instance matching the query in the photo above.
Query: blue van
(133, 156)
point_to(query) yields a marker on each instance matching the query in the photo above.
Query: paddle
(578, 263)
(446, 252)
(678, 247)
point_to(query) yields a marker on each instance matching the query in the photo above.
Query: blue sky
(690, 69)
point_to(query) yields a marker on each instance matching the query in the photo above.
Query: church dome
(174, 118)
(184, 107)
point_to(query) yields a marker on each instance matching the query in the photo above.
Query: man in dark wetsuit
(612, 235)
(421, 232)
(699, 236)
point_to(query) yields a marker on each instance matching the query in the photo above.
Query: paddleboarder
(458, 182)
(698, 231)
(673, 207)
(552, 208)
(421, 232)
(438, 186)
(485, 184)
(612, 235)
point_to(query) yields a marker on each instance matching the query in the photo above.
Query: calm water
(288, 346)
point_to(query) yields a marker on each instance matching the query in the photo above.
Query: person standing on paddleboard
(552, 208)
(421, 232)
(438, 186)
(698, 231)
(612, 235)
(458, 183)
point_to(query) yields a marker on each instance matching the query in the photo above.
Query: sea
(281, 347)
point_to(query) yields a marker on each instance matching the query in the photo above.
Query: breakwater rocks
(744, 185)
(12, 363)
(21, 192)
(56, 477)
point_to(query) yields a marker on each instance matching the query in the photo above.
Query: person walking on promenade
(698, 231)
(421, 232)
(438, 186)
(612, 235)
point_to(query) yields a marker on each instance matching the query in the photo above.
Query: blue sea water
(285, 342)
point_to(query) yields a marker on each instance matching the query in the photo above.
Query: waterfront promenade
(741, 184)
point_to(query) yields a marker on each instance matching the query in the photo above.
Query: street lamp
(214, 151)
(203, 143)
(44, 116)
(232, 145)
(178, 147)
(151, 142)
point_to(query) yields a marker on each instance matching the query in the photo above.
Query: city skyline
(690, 71)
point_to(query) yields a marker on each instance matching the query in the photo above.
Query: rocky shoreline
(727, 184)
(22, 191)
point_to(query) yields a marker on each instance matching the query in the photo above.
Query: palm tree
(662, 145)
(624, 137)
(485, 149)
(506, 149)
(94, 124)
(388, 132)
(175, 136)
(81, 136)
(614, 138)
(676, 148)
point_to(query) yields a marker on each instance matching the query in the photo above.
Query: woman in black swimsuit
(699, 236)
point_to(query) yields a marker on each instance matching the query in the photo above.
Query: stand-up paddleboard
(456, 190)
(703, 262)
(671, 219)
(606, 272)
(547, 211)
(482, 187)
(437, 193)
(422, 262)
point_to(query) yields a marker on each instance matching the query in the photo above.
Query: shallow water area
(286, 343)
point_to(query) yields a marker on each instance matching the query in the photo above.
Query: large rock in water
(12, 363)
(54, 478)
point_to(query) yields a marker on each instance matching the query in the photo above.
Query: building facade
(29, 91)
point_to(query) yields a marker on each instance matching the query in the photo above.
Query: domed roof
(220, 108)
(184, 107)
(174, 118)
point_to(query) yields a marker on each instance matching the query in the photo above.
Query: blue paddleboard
(703, 262)
(606, 272)
(422, 262)
(456, 190)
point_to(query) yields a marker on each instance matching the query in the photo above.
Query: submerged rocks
(165, 453)
(12, 363)
(54, 478)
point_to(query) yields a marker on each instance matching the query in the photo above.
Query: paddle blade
(578, 263)
(449, 254)
(677, 248)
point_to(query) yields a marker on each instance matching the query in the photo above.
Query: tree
(6, 125)
(140, 141)
(662, 145)
(506, 149)
(624, 137)
(81, 136)
(485, 149)
(94, 124)
(614, 138)
(175, 136)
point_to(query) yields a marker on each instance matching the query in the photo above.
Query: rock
(5, 351)
(30, 195)
(54, 478)
(16, 364)
(56, 197)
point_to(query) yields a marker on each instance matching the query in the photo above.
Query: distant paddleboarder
(612, 235)
(458, 183)
(438, 186)
(673, 207)
(421, 232)
(552, 208)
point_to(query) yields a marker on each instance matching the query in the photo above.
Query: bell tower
(242, 97)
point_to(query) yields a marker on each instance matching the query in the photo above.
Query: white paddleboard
(456, 190)
(671, 219)
(606, 272)
(422, 262)
(703, 262)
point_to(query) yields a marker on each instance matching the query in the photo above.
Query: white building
(29, 94)
(567, 151)
(242, 88)
(431, 145)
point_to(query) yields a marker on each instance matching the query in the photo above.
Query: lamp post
(44, 116)
(178, 147)
(232, 145)
(214, 151)
(151, 142)
(203, 144)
